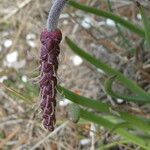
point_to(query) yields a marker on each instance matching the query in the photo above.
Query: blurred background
(21, 22)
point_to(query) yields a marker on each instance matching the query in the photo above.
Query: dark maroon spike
(47, 102)
(47, 79)
(49, 90)
(49, 65)
(46, 68)
(44, 53)
(48, 111)
(49, 121)
(51, 59)
(57, 36)
(53, 35)
(50, 44)
(44, 81)
(44, 35)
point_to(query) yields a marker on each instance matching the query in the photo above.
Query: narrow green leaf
(146, 23)
(135, 121)
(109, 145)
(105, 108)
(81, 100)
(109, 15)
(122, 125)
(109, 125)
(108, 89)
(126, 41)
(107, 69)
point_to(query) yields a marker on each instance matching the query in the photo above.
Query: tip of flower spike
(49, 128)
(57, 35)
(54, 35)
(49, 122)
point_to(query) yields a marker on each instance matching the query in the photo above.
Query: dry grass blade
(9, 137)
(49, 135)
(14, 92)
(12, 13)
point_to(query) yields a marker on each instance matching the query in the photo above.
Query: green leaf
(108, 89)
(96, 105)
(109, 125)
(109, 15)
(84, 101)
(146, 23)
(126, 41)
(135, 121)
(107, 69)
(110, 145)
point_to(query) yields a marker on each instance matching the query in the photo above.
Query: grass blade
(108, 89)
(110, 145)
(135, 121)
(105, 108)
(16, 93)
(81, 100)
(109, 15)
(109, 125)
(146, 23)
(107, 69)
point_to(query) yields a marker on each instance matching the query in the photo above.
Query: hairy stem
(54, 14)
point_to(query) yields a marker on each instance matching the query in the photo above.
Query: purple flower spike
(49, 63)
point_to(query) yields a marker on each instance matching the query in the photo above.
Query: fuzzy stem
(54, 14)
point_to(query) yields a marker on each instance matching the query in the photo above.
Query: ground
(21, 23)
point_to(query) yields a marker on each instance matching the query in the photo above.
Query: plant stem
(54, 14)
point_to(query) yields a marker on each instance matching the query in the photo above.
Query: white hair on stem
(54, 14)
